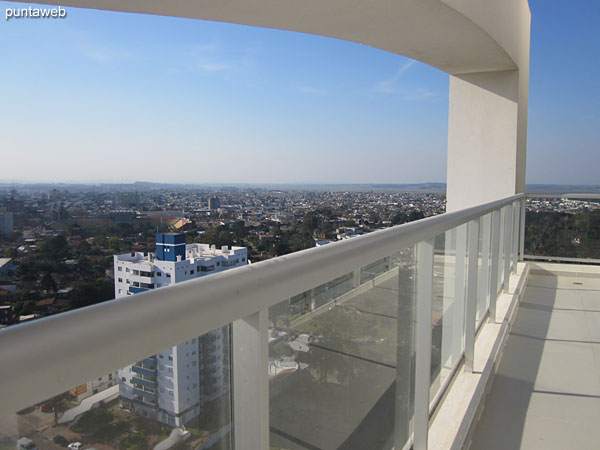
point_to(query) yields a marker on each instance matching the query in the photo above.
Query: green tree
(124, 229)
(90, 293)
(114, 244)
(27, 271)
(27, 308)
(310, 222)
(47, 282)
(239, 230)
(54, 248)
(415, 215)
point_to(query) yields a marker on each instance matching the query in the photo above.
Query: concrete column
(487, 128)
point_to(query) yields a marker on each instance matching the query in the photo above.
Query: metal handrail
(562, 259)
(51, 355)
(567, 196)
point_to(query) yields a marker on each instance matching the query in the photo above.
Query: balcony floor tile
(546, 392)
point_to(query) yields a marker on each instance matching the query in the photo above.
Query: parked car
(26, 444)
(60, 440)
(75, 446)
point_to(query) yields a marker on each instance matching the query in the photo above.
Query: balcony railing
(356, 341)
(147, 363)
(145, 392)
(150, 384)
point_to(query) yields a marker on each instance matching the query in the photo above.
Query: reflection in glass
(341, 361)
(134, 407)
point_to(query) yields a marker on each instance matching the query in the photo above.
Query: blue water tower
(169, 246)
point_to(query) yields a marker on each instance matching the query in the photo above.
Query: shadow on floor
(502, 421)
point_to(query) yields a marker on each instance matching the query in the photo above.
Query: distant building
(51, 305)
(128, 199)
(6, 222)
(183, 224)
(348, 232)
(5, 268)
(214, 203)
(16, 205)
(95, 386)
(7, 315)
(53, 194)
(173, 386)
(27, 318)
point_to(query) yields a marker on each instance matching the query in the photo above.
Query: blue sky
(104, 96)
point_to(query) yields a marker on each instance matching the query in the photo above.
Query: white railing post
(508, 233)
(356, 277)
(405, 348)
(495, 251)
(250, 348)
(460, 295)
(515, 233)
(522, 229)
(423, 343)
(471, 307)
(486, 245)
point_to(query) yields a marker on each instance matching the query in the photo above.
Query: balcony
(147, 394)
(145, 368)
(144, 372)
(387, 340)
(145, 382)
(147, 402)
(147, 363)
(138, 287)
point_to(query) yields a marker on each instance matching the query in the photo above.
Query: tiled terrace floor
(546, 392)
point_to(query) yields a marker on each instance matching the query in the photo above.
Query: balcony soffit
(429, 31)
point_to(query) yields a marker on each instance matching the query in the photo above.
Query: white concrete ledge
(451, 425)
(564, 270)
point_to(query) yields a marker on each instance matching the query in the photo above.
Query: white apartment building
(173, 386)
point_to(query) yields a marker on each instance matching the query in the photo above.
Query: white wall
(482, 138)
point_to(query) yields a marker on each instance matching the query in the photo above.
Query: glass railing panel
(176, 398)
(373, 270)
(325, 293)
(340, 372)
(563, 227)
(447, 307)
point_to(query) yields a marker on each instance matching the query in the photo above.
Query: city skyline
(246, 105)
